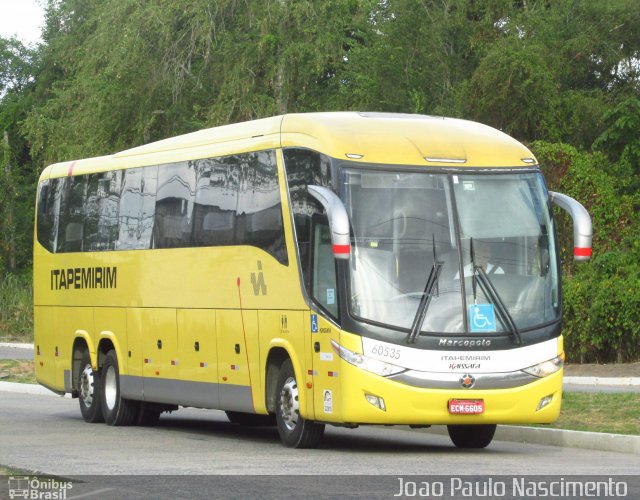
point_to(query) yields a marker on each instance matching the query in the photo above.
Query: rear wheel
(115, 409)
(295, 431)
(89, 391)
(471, 436)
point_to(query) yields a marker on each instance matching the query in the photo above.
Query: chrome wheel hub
(110, 388)
(87, 386)
(289, 404)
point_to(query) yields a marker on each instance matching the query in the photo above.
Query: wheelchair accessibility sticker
(314, 323)
(482, 318)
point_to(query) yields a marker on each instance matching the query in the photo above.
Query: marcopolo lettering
(464, 343)
(84, 277)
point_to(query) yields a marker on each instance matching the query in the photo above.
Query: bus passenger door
(324, 289)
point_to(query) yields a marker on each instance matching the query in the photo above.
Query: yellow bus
(307, 269)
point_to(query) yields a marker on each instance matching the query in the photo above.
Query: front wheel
(295, 431)
(89, 391)
(471, 436)
(115, 409)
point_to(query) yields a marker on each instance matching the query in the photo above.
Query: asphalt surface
(47, 433)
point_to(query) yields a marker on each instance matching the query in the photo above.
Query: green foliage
(621, 141)
(16, 307)
(601, 298)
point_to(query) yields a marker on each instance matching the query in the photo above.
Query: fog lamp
(376, 401)
(545, 401)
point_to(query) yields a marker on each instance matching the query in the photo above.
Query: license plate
(466, 406)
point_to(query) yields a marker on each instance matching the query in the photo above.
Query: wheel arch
(107, 342)
(81, 342)
(279, 352)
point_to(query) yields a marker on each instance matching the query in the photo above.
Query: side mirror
(582, 231)
(338, 220)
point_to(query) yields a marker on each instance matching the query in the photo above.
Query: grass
(12, 471)
(17, 370)
(16, 308)
(615, 412)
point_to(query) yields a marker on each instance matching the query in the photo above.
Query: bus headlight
(366, 363)
(546, 367)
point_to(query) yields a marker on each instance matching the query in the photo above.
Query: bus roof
(387, 138)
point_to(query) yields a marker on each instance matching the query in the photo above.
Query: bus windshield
(489, 235)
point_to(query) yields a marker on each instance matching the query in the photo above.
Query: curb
(618, 443)
(597, 381)
(14, 345)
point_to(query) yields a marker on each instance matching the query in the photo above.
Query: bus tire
(295, 431)
(89, 391)
(250, 419)
(148, 415)
(115, 409)
(471, 436)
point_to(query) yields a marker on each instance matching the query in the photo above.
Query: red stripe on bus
(340, 249)
(582, 252)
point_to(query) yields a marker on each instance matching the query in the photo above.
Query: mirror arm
(338, 220)
(582, 230)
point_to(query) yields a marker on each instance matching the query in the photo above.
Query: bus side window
(216, 201)
(259, 213)
(305, 167)
(174, 205)
(72, 214)
(101, 218)
(137, 208)
(45, 214)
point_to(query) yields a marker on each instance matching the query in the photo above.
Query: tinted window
(71, 226)
(232, 200)
(174, 205)
(259, 213)
(101, 217)
(304, 168)
(137, 207)
(45, 215)
(216, 201)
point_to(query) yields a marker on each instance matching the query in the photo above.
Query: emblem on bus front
(467, 381)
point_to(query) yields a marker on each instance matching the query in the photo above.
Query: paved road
(47, 434)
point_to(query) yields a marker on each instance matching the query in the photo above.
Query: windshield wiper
(421, 313)
(490, 291)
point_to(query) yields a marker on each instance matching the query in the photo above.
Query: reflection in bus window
(304, 168)
(259, 213)
(137, 207)
(101, 218)
(174, 205)
(216, 201)
(71, 226)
